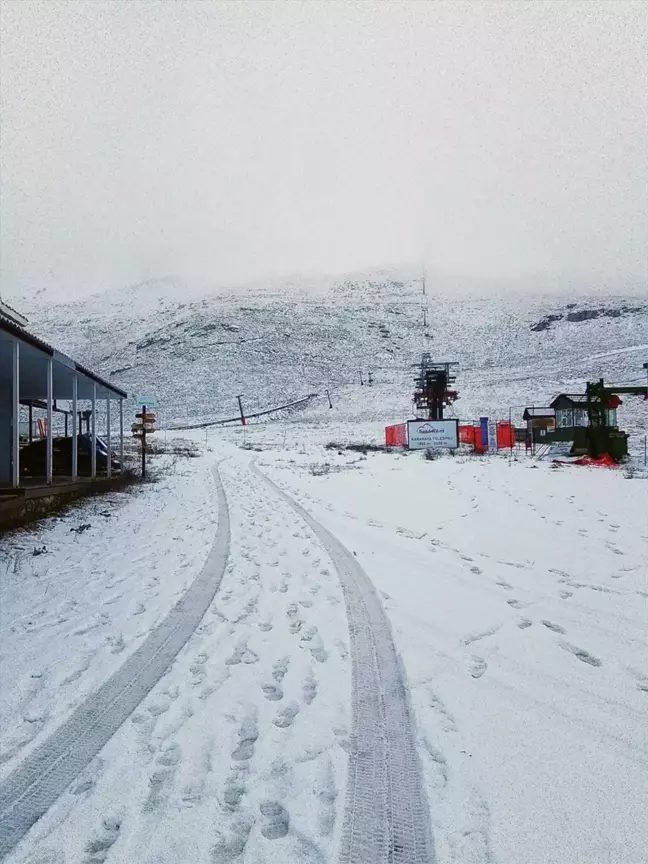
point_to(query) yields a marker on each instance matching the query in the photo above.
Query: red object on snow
(479, 447)
(396, 436)
(505, 434)
(466, 434)
(605, 461)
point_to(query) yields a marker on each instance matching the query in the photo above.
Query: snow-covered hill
(274, 342)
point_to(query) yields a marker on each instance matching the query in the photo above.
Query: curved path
(386, 815)
(44, 775)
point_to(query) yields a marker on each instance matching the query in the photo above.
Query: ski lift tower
(434, 390)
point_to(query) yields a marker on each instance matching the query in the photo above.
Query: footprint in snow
(523, 623)
(319, 653)
(280, 668)
(309, 634)
(309, 689)
(242, 654)
(477, 666)
(277, 821)
(170, 755)
(286, 717)
(88, 778)
(272, 692)
(581, 654)
(233, 790)
(248, 736)
(411, 535)
(97, 850)
(642, 681)
(229, 845)
(555, 627)
(343, 651)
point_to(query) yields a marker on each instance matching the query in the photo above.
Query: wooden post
(144, 442)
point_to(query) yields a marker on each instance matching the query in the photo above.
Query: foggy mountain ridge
(197, 355)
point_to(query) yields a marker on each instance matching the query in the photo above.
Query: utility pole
(328, 396)
(240, 398)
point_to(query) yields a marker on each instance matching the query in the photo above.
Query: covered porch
(35, 377)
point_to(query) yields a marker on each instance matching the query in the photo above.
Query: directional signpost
(144, 425)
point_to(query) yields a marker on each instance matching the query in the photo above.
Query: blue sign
(149, 401)
(483, 423)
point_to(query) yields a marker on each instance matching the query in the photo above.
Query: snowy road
(41, 778)
(405, 661)
(386, 817)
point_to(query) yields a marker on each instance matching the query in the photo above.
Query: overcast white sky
(228, 141)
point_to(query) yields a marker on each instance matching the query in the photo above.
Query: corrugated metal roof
(19, 332)
(580, 398)
(540, 412)
(7, 311)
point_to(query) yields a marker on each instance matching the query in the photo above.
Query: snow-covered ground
(513, 593)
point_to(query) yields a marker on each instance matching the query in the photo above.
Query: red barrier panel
(505, 434)
(466, 434)
(396, 436)
(479, 447)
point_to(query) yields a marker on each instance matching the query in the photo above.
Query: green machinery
(601, 436)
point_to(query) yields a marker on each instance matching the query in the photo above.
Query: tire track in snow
(44, 775)
(386, 816)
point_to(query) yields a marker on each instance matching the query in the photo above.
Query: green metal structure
(601, 437)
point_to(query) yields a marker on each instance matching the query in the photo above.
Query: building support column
(93, 437)
(121, 436)
(108, 442)
(75, 431)
(15, 417)
(50, 439)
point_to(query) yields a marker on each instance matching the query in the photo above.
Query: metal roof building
(34, 373)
